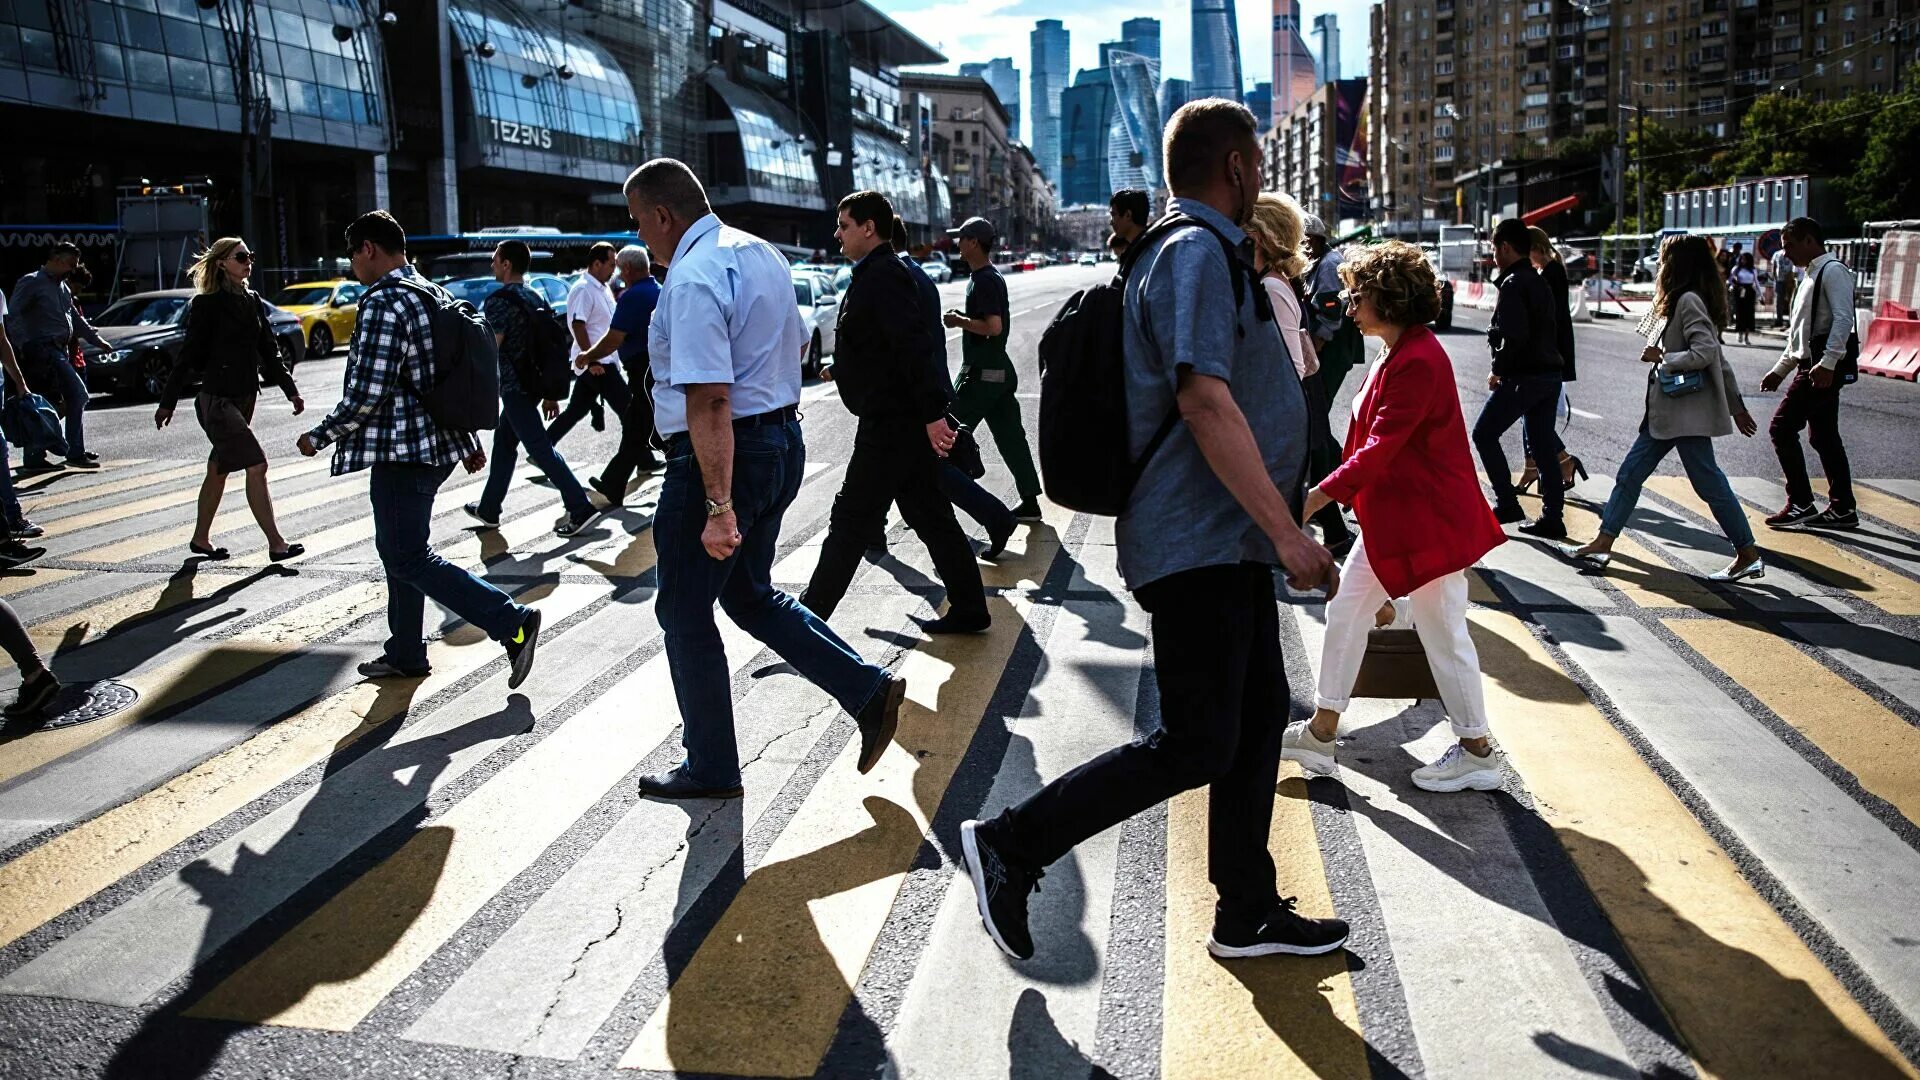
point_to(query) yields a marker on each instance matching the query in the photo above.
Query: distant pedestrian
(1821, 348)
(1785, 276)
(1525, 381)
(1409, 477)
(590, 307)
(229, 348)
(1128, 213)
(1210, 517)
(1338, 347)
(515, 313)
(987, 388)
(882, 364)
(381, 424)
(725, 344)
(45, 320)
(1690, 301)
(14, 525)
(1546, 260)
(1743, 286)
(626, 337)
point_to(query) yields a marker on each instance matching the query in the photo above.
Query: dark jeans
(1807, 406)
(977, 399)
(1532, 400)
(520, 424)
(636, 437)
(402, 497)
(892, 463)
(768, 466)
(1223, 706)
(49, 371)
(1323, 454)
(610, 386)
(11, 516)
(968, 497)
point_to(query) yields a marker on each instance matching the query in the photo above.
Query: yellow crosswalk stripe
(134, 549)
(1691, 923)
(31, 577)
(1252, 1018)
(1881, 505)
(360, 528)
(30, 486)
(764, 993)
(1812, 555)
(64, 871)
(65, 496)
(1879, 748)
(77, 523)
(219, 664)
(146, 601)
(1639, 574)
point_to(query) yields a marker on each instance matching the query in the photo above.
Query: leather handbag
(1682, 383)
(1395, 666)
(965, 453)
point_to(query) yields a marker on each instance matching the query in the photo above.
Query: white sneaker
(1458, 770)
(1299, 745)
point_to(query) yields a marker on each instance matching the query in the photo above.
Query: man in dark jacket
(882, 365)
(1525, 382)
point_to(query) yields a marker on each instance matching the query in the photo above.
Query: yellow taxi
(327, 311)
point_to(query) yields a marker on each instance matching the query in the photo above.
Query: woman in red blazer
(1408, 474)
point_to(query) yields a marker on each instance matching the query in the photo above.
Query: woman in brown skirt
(229, 347)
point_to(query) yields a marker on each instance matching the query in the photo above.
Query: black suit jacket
(1523, 330)
(882, 343)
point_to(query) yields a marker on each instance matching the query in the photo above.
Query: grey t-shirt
(1180, 313)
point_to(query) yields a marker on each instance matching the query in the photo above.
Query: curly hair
(1687, 265)
(206, 273)
(1398, 278)
(1278, 232)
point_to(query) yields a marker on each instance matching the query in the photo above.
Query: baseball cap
(977, 229)
(1313, 226)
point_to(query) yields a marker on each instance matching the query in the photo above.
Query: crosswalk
(1705, 860)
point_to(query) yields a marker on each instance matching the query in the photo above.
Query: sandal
(293, 551)
(1527, 476)
(214, 553)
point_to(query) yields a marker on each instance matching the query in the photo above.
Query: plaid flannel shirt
(381, 416)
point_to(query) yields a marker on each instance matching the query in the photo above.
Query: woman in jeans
(229, 347)
(1691, 298)
(1410, 478)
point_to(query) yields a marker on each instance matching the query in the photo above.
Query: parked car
(938, 269)
(1089, 259)
(820, 310)
(145, 332)
(475, 290)
(327, 311)
(1027, 264)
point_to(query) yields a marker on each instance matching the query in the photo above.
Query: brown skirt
(228, 423)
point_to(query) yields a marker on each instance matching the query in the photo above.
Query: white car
(1089, 259)
(820, 310)
(938, 269)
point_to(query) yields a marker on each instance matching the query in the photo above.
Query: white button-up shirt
(1835, 321)
(590, 301)
(727, 314)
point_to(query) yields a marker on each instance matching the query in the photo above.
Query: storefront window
(544, 88)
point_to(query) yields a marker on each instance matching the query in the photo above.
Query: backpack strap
(1236, 270)
(411, 382)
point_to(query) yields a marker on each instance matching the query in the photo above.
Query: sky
(969, 30)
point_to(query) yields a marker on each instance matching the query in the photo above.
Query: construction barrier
(1892, 348)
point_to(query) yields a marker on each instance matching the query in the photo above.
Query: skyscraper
(1327, 29)
(1216, 50)
(1294, 79)
(1086, 125)
(1050, 44)
(1142, 36)
(1173, 94)
(1260, 101)
(1005, 80)
(1133, 140)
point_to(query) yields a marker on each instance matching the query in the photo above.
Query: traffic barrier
(1892, 348)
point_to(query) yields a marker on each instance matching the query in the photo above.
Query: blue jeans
(10, 513)
(520, 424)
(1703, 472)
(49, 370)
(768, 465)
(402, 497)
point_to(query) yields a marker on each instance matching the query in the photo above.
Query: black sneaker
(1834, 519)
(1792, 515)
(25, 530)
(14, 553)
(520, 649)
(1000, 889)
(1028, 510)
(574, 526)
(614, 498)
(1284, 931)
(1507, 515)
(381, 668)
(35, 694)
(1545, 528)
(491, 521)
(86, 463)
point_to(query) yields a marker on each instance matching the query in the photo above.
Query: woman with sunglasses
(229, 349)
(1409, 476)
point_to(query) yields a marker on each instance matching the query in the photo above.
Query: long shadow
(1037, 1051)
(175, 1042)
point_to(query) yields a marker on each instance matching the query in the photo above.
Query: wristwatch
(715, 509)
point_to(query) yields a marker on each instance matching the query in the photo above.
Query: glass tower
(1141, 36)
(1294, 79)
(1050, 42)
(1005, 80)
(1216, 50)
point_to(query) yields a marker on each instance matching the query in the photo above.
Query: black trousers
(1323, 454)
(1818, 411)
(893, 463)
(1223, 707)
(1533, 400)
(609, 386)
(636, 436)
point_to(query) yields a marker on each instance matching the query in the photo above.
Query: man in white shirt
(724, 348)
(1822, 346)
(589, 315)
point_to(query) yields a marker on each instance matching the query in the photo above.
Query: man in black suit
(883, 342)
(1525, 382)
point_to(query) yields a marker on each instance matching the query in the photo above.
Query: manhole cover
(80, 703)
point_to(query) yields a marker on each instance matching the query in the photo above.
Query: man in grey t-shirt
(1212, 515)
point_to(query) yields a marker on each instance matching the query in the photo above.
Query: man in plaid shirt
(381, 424)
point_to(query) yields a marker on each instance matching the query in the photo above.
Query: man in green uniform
(987, 380)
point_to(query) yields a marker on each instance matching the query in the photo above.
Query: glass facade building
(1086, 125)
(1216, 50)
(1005, 80)
(1133, 138)
(1050, 42)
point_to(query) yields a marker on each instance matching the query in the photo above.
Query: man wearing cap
(987, 381)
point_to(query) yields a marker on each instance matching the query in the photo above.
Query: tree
(1782, 135)
(1885, 184)
(1662, 159)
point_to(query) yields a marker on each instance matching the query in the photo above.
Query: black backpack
(465, 395)
(546, 364)
(1085, 460)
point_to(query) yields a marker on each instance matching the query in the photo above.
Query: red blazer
(1408, 473)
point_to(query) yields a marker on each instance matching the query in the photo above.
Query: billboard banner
(1350, 148)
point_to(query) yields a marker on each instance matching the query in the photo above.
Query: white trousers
(1439, 617)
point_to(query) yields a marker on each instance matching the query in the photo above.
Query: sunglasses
(242, 257)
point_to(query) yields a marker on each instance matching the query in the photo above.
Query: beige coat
(1690, 342)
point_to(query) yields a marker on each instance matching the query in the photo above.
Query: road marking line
(764, 993)
(1636, 571)
(80, 522)
(135, 549)
(65, 496)
(1584, 414)
(32, 577)
(1885, 507)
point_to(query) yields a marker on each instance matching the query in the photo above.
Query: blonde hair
(206, 273)
(1278, 230)
(1542, 243)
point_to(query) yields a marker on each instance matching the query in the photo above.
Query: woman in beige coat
(1692, 399)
